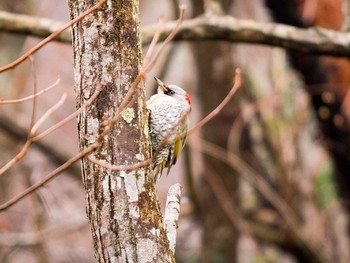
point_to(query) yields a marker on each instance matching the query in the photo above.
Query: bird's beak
(161, 85)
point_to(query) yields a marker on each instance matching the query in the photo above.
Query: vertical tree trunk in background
(122, 207)
(213, 87)
(219, 235)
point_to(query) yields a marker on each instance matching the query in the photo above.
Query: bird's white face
(177, 93)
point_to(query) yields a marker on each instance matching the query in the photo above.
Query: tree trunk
(122, 207)
(219, 235)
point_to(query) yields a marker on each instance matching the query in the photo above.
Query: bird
(168, 112)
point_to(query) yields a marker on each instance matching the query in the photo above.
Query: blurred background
(268, 180)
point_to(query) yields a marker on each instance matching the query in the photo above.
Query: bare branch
(31, 96)
(313, 40)
(68, 118)
(168, 39)
(34, 26)
(237, 84)
(30, 140)
(172, 213)
(59, 169)
(35, 90)
(49, 177)
(15, 159)
(16, 131)
(154, 41)
(47, 114)
(51, 37)
(227, 28)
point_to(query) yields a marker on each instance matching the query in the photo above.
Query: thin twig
(49, 177)
(58, 170)
(51, 37)
(35, 90)
(237, 84)
(68, 118)
(168, 39)
(31, 96)
(47, 114)
(31, 135)
(154, 41)
(29, 141)
(15, 159)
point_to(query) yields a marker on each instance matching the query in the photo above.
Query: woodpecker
(168, 118)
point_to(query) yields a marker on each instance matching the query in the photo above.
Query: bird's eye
(169, 91)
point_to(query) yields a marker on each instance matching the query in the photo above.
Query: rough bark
(122, 207)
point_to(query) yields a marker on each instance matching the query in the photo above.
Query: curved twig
(51, 37)
(31, 96)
